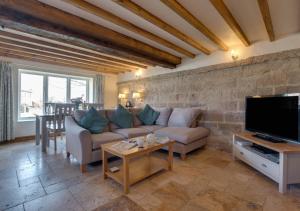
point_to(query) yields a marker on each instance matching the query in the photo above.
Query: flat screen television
(274, 117)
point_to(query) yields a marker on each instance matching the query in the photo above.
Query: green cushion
(93, 121)
(122, 117)
(148, 115)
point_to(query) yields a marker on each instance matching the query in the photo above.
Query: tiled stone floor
(208, 180)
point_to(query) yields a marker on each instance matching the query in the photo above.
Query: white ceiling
(285, 16)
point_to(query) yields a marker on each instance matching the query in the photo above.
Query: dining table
(41, 132)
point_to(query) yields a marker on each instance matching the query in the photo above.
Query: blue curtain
(6, 102)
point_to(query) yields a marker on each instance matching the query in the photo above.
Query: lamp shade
(136, 95)
(121, 96)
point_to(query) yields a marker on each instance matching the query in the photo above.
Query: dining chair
(97, 106)
(56, 126)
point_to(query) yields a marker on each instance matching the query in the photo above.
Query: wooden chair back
(87, 106)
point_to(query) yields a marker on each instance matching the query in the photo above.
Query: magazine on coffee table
(124, 145)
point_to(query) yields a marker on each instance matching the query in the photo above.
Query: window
(57, 89)
(31, 96)
(79, 89)
(36, 88)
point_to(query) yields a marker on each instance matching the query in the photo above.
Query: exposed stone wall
(220, 90)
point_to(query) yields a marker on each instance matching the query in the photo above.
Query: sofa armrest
(78, 141)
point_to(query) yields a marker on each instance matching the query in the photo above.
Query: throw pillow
(183, 117)
(93, 121)
(122, 117)
(148, 115)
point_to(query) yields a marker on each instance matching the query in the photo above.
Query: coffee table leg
(170, 157)
(126, 175)
(104, 163)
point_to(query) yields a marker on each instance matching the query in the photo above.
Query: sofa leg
(82, 168)
(68, 154)
(183, 156)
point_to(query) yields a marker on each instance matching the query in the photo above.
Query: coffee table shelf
(140, 169)
(137, 163)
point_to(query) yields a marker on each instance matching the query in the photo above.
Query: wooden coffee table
(138, 163)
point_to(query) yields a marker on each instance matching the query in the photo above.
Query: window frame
(89, 82)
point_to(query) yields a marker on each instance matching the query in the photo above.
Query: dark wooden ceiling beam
(265, 12)
(230, 20)
(34, 17)
(14, 55)
(190, 18)
(141, 12)
(27, 47)
(41, 57)
(127, 25)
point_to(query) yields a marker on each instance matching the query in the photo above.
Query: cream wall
(218, 57)
(27, 128)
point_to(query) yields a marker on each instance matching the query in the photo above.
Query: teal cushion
(122, 117)
(93, 121)
(148, 115)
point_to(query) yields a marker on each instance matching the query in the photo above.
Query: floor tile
(61, 200)
(11, 197)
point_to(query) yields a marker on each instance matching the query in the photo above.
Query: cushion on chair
(183, 135)
(151, 128)
(164, 114)
(106, 137)
(93, 121)
(183, 117)
(122, 117)
(132, 132)
(148, 115)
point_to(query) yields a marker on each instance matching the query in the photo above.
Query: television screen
(275, 116)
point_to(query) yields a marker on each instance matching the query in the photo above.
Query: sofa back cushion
(109, 115)
(164, 115)
(183, 117)
(136, 121)
(122, 117)
(93, 121)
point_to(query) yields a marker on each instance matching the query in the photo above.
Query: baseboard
(18, 139)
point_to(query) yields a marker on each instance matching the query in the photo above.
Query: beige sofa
(178, 124)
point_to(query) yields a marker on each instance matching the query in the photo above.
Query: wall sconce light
(138, 73)
(136, 95)
(121, 96)
(234, 55)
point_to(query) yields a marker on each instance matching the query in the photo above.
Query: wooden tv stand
(282, 166)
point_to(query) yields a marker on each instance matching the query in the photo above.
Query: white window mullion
(68, 90)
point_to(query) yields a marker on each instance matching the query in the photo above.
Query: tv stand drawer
(263, 165)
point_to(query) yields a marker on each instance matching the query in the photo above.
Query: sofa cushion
(136, 121)
(110, 114)
(122, 117)
(106, 137)
(151, 128)
(183, 135)
(183, 117)
(148, 115)
(93, 121)
(132, 132)
(164, 114)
